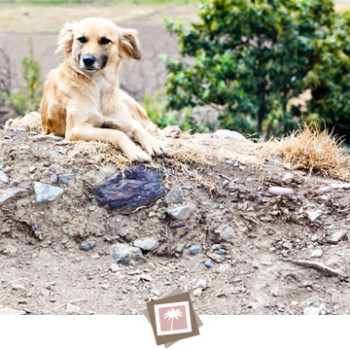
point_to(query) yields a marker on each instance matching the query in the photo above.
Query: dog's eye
(82, 39)
(104, 41)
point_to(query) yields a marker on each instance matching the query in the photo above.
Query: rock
(125, 254)
(9, 193)
(313, 215)
(336, 237)
(4, 178)
(174, 196)
(133, 188)
(195, 249)
(180, 247)
(72, 309)
(65, 178)
(229, 135)
(105, 286)
(217, 258)
(86, 246)
(229, 162)
(147, 244)
(46, 193)
(197, 292)
(201, 284)
(146, 277)
(32, 169)
(311, 311)
(181, 213)
(208, 263)
(317, 253)
(280, 191)
(9, 250)
(95, 256)
(18, 286)
(114, 267)
(288, 178)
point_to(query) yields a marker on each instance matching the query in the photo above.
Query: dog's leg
(88, 132)
(134, 129)
(137, 112)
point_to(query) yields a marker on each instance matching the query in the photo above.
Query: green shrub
(26, 98)
(248, 59)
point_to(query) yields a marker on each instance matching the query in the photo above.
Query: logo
(173, 318)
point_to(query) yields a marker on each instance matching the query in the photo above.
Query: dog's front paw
(137, 155)
(154, 146)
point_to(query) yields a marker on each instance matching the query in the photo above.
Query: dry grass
(308, 149)
(312, 150)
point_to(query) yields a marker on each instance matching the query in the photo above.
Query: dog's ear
(65, 38)
(129, 46)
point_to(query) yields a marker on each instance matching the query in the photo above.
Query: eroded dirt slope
(250, 236)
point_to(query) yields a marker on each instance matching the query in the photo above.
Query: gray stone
(32, 169)
(46, 193)
(114, 267)
(288, 178)
(9, 193)
(208, 263)
(195, 249)
(197, 292)
(317, 253)
(336, 237)
(65, 178)
(280, 191)
(4, 178)
(201, 284)
(181, 213)
(125, 254)
(86, 246)
(313, 215)
(147, 244)
(9, 250)
(174, 196)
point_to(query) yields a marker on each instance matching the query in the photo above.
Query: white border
(178, 331)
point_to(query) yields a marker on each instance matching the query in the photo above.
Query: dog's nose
(89, 61)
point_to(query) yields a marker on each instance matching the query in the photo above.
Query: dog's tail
(30, 122)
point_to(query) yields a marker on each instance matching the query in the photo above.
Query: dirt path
(44, 271)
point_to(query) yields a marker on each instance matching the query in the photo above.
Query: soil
(44, 271)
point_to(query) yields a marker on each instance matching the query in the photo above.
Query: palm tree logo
(173, 314)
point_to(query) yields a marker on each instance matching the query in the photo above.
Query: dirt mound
(242, 238)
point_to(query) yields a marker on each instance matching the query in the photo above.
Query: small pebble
(317, 253)
(208, 263)
(86, 246)
(197, 292)
(195, 249)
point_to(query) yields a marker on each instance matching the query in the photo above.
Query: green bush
(329, 80)
(26, 98)
(248, 59)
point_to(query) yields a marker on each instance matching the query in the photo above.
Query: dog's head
(93, 43)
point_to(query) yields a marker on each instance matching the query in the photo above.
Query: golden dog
(82, 99)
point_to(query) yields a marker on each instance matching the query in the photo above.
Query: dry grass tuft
(312, 150)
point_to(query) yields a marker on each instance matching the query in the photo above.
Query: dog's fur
(82, 99)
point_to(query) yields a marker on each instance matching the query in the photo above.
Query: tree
(329, 80)
(248, 59)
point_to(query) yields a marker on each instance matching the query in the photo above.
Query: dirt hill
(243, 235)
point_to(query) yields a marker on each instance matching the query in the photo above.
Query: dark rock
(131, 189)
